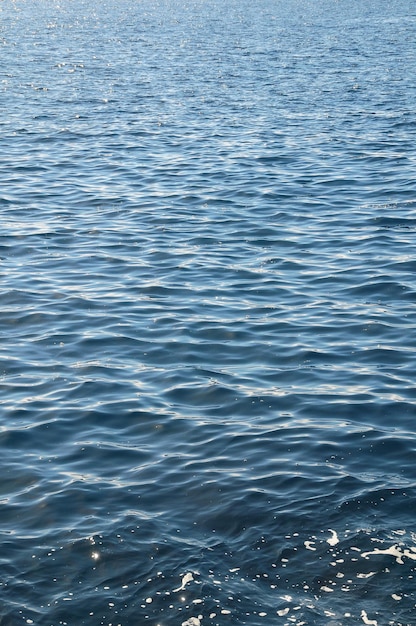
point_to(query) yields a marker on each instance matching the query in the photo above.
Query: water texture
(207, 313)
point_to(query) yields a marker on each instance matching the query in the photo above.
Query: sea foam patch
(339, 579)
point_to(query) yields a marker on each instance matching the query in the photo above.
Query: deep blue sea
(208, 312)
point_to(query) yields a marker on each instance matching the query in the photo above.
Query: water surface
(207, 313)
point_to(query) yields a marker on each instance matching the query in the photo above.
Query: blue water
(208, 313)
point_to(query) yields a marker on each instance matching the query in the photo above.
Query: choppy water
(207, 313)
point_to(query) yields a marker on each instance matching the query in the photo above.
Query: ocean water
(208, 313)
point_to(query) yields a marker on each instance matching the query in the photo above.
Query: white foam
(192, 621)
(334, 539)
(283, 611)
(393, 551)
(186, 579)
(369, 622)
(410, 555)
(309, 545)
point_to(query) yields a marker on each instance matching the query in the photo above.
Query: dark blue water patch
(355, 562)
